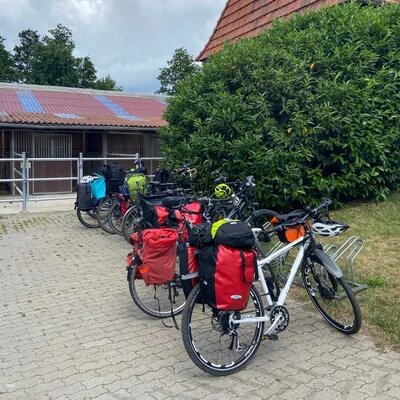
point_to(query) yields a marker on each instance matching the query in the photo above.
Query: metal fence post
(80, 167)
(24, 183)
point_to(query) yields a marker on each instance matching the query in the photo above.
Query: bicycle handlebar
(309, 213)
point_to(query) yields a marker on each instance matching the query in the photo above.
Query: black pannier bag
(84, 198)
(114, 174)
(226, 275)
(200, 235)
(155, 215)
(188, 264)
(235, 234)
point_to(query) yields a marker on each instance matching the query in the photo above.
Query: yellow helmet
(222, 191)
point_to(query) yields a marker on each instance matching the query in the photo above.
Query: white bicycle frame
(251, 319)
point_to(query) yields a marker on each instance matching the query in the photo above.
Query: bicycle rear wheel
(213, 345)
(88, 218)
(332, 297)
(154, 300)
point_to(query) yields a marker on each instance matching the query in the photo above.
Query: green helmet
(222, 191)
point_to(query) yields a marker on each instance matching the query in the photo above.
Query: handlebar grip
(325, 203)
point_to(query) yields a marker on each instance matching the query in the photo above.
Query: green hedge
(311, 108)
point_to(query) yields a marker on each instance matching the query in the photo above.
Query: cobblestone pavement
(69, 330)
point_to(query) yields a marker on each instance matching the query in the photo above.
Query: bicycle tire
(153, 300)
(102, 214)
(115, 217)
(332, 297)
(193, 310)
(88, 218)
(130, 223)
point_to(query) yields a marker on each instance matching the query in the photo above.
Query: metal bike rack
(348, 252)
(345, 255)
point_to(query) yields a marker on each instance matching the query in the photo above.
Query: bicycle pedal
(271, 336)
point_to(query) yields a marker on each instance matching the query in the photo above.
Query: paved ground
(69, 330)
(36, 203)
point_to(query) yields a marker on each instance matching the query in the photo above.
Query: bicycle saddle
(175, 201)
(291, 215)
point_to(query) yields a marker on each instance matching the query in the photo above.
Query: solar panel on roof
(29, 102)
(115, 108)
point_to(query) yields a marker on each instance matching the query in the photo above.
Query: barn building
(49, 122)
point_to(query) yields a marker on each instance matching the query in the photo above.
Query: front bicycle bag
(289, 234)
(226, 275)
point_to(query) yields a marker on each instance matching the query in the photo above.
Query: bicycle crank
(282, 313)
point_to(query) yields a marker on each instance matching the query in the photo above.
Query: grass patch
(377, 265)
(375, 282)
(378, 224)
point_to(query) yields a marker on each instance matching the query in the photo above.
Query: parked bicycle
(90, 192)
(155, 249)
(223, 342)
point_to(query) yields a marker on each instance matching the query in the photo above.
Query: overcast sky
(130, 39)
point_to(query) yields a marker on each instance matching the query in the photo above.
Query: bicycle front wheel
(332, 297)
(155, 300)
(211, 343)
(130, 223)
(102, 214)
(115, 217)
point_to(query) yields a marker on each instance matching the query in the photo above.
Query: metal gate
(51, 146)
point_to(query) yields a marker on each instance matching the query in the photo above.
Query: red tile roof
(46, 105)
(247, 18)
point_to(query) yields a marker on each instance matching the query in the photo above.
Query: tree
(180, 66)
(53, 62)
(50, 61)
(86, 72)
(107, 83)
(7, 72)
(310, 111)
(23, 54)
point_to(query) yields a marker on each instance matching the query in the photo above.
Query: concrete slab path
(69, 330)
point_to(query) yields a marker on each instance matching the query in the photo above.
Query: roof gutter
(79, 127)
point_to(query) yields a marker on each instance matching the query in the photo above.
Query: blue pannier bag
(98, 187)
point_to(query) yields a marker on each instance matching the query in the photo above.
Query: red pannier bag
(158, 255)
(136, 240)
(226, 275)
(192, 213)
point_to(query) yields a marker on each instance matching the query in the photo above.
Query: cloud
(130, 39)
